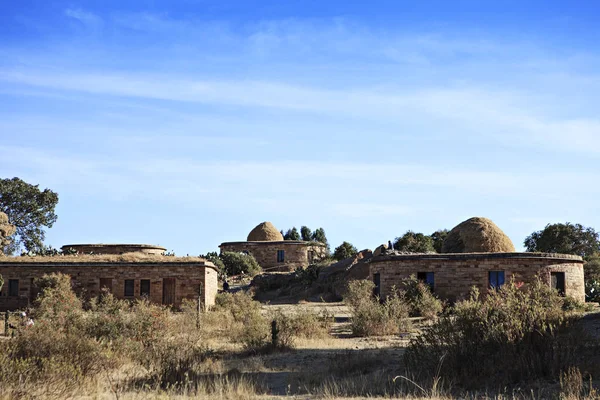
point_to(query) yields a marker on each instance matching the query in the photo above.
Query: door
(168, 291)
(557, 282)
(377, 282)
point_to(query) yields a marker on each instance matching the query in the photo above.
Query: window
(496, 279)
(426, 278)
(145, 287)
(13, 287)
(310, 255)
(129, 287)
(557, 281)
(280, 255)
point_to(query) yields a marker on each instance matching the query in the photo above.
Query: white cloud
(87, 18)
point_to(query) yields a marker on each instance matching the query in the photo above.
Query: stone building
(102, 248)
(477, 254)
(273, 253)
(451, 276)
(163, 280)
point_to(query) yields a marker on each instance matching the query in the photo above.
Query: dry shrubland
(107, 347)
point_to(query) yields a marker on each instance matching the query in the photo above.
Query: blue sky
(187, 123)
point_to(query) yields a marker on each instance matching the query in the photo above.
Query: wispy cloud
(88, 19)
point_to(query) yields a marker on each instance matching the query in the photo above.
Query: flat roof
(142, 246)
(261, 242)
(104, 259)
(470, 256)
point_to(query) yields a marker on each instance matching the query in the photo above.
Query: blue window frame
(496, 279)
(280, 255)
(427, 278)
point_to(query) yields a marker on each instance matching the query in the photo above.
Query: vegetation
(438, 238)
(372, 318)
(239, 263)
(291, 234)
(420, 300)
(512, 335)
(414, 243)
(565, 238)
(344, 250)
(306, 233)
(30, 210)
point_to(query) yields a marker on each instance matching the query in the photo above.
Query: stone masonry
(169, 282)
(296, 254)
(456, 274)
(114, 248)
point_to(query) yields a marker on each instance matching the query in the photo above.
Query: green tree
(344, 250)
(414, 242)
(438, 238)
(564, 238)
(29, 209)
(319, 236)
(291, 234)
(214, 258)
(239, 263)
(306, 233)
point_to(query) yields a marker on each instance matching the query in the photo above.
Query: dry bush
(372, 318)
(421, 301)
(512, 335)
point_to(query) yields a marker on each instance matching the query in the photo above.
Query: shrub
(344, 250)
(372, 318)
(245, 323)
(511, 335)
(239, 263)
(421, 301)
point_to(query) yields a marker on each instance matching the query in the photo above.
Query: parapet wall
(456, 274)
(101, 248)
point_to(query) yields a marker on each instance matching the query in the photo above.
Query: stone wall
(115, 248)
(189, 277)
(296, 253)
(456, 274)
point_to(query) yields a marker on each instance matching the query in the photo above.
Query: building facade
(167, 283)
(284, 255)
(451, 276)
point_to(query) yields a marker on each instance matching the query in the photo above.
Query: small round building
(102, 248)
(478, 254)
(273, 253)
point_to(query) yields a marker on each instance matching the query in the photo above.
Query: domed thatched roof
(264, 232)
(477, 235)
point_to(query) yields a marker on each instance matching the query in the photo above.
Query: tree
(564, 238)
(414, 242)
(306, 233)
(344, 250)
(319, 236)
(438, 238)
(291, 234)
(239, 263)
(29, 209)
(214, 258)
(6, 231)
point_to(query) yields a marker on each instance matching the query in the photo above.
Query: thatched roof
(265, 232)
(477, 235)
(6, 230)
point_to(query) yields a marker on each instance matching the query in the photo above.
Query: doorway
(168, 291)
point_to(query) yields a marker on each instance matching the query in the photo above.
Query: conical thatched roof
(6, 230)
(264, 232)
(477, 235)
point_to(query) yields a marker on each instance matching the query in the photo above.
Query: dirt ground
(298, 371)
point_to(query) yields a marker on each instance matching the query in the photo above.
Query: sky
(186, 123)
